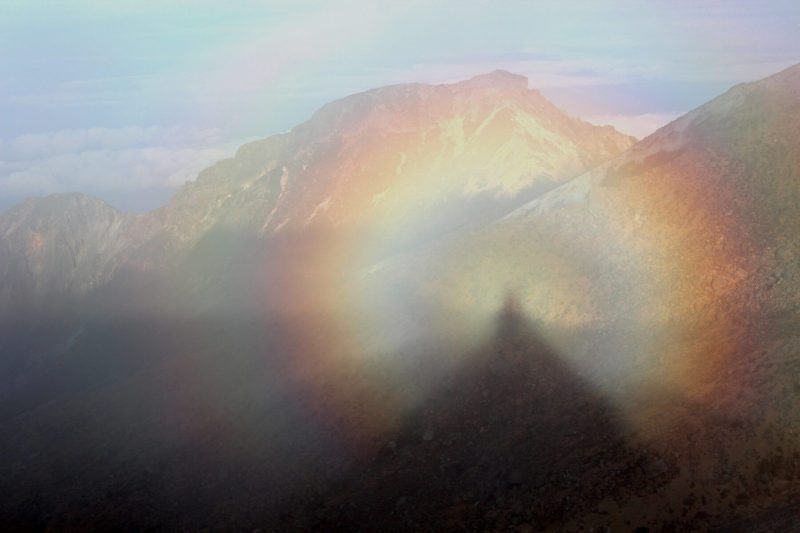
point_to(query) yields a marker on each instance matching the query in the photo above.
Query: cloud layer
(115, 163)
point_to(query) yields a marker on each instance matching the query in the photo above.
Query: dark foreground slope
(513, 440)
(510, 437)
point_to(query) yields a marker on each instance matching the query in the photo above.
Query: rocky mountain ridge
(716, 190)
(489, 142)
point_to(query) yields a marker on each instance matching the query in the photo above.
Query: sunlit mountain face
(428, 307)
(687, 228)
(661, 277)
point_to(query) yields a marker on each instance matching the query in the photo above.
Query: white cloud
(107, 161)
(41, 145)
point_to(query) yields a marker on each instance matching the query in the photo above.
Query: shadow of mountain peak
(513, 436)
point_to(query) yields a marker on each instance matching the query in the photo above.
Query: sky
(129, 100)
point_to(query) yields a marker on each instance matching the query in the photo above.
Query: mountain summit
(407, 147)
(499, 78)
(409, 162)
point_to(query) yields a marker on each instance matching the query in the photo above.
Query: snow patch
(323, 206)
(281, 225)
(284, 187)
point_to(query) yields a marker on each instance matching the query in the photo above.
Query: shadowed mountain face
(215, 434)
(57, 244)
(308, 336)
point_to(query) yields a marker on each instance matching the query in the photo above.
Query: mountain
(420, 147)
(694, 221)
(450, 307)
(452, 154)
(668, 278)
(58, 243)
(288, 220)
(236, 294)
(714, 194)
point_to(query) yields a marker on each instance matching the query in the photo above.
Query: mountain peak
(499, 78)
(59, 203)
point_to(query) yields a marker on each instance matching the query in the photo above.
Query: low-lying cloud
(133, 167)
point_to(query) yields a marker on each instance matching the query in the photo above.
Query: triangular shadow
(514, 436)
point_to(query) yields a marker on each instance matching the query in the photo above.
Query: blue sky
(127, 100)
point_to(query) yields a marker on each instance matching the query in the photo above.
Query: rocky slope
(668, 278)
(451, 154)
(57, 244)
(694, 223)
(410, 147)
